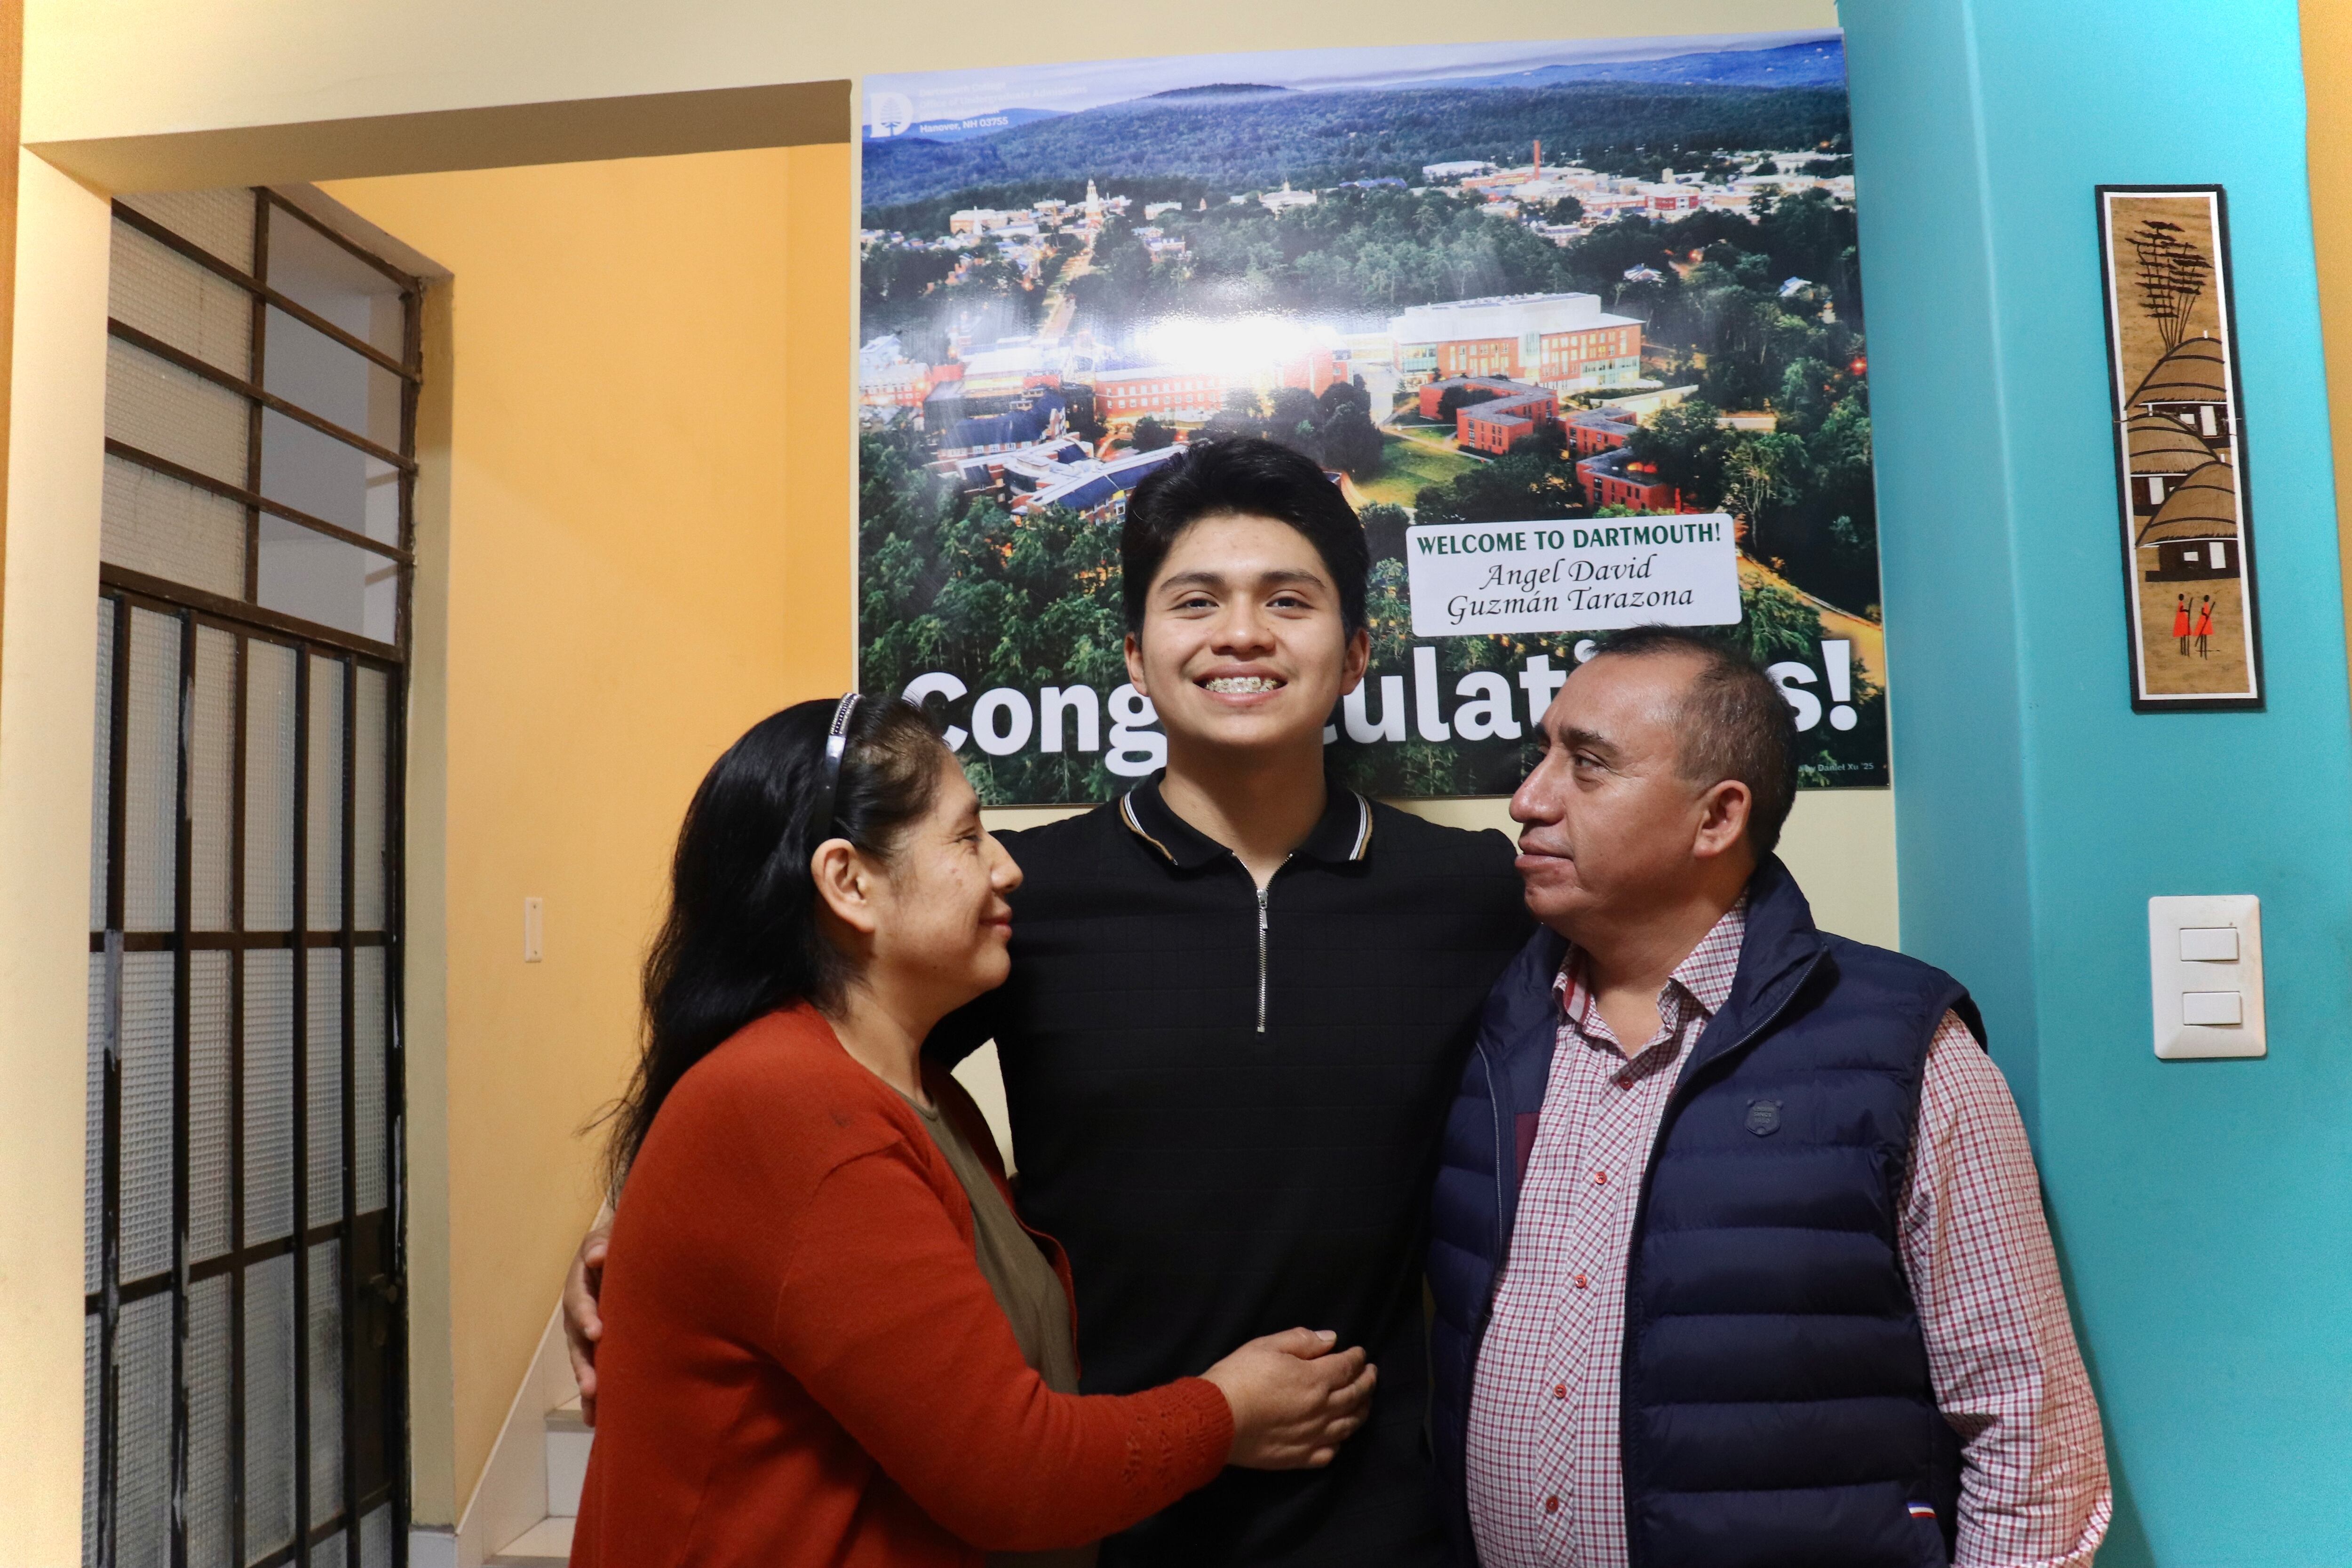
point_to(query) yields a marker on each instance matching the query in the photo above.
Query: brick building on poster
(1615, 479)
(1194, 393)
(1596, 430)
(1509, 412)
(1160, 391)
(1565, 343)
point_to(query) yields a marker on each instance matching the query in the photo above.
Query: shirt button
(1551, 1505)
(1600, 1178)
(1583, 1283)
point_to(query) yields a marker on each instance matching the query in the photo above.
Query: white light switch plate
(2181, 988)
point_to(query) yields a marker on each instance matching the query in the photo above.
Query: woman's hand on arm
(882, 1315)
(1294, 1399)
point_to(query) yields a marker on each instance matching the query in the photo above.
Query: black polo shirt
(1227, 1108)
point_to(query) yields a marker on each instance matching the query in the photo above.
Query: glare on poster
(1599, 289)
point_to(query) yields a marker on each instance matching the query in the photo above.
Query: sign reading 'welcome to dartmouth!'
(1483, 578)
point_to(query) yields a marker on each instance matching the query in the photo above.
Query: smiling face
(940, 920)
(1612, 829)
(1243, 646)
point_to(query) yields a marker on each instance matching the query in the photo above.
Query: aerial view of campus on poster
(1576, 326)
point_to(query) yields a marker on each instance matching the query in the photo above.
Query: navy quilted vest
(1777, 1407)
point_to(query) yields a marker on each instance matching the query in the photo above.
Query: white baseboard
(512, 1496)
(432, 1549)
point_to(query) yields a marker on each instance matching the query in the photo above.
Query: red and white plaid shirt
(1546, 1488)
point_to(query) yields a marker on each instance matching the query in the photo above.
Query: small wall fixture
(2205, 975)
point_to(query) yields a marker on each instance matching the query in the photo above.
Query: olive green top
(1026, 1287)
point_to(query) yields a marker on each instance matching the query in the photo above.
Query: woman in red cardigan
(881, 1375)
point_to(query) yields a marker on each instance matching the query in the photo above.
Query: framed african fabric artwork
(2188, 541)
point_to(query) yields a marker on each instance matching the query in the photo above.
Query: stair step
(548, 1541)
(569, 1438)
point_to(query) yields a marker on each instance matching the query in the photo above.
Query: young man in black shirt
(1241, 998)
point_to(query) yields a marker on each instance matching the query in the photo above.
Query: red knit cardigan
(802, 1365)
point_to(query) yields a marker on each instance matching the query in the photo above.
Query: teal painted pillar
(2203, 1210)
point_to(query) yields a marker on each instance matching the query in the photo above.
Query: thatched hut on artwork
(2190, 386)
(2194, 534)
(2159, 452)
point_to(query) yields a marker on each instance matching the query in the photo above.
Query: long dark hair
(741, 938)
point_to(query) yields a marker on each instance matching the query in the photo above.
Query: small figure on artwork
(2180, 623)
(2205, 628)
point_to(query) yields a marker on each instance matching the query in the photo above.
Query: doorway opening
(244, 1328)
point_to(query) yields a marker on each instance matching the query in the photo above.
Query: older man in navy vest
(1739, 1256)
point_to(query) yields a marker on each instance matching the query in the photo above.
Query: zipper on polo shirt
(1263, 923)
(1261, 959)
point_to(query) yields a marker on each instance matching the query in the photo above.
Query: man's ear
(1359, 659)
(1724, 810)
(844, 884)
(1135, 664)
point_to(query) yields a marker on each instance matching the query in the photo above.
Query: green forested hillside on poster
(1373, 253)
(1253, 141)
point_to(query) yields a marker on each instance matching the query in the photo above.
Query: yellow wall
(46, 681)
(2327, 95)
(100, 68)
(638, 495)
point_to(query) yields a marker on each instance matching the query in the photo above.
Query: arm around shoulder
(963, 1031)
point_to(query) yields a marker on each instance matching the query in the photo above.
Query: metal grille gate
(245, 1396)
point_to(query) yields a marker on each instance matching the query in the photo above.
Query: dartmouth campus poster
(1576, 326)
